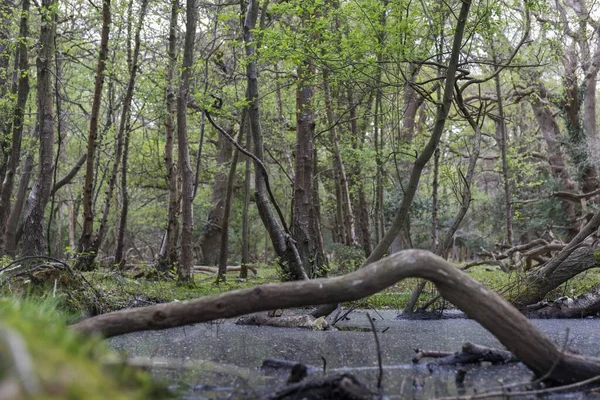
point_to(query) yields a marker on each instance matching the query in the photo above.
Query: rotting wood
(230, 268)
(344, 386)
(469, 354)
(534, 348)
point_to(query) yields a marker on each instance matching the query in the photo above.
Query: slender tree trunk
(186, 260)
(22, 91)
(120, 246)
(245, 211)
(362, 206)
(7, 9)
(284, 247)
(304, 226)
(86, 240)
(33, 221)
(502, 140)
(125, 130)
(435, 222)
(72, 224)
(168, 253)
(347, 221)
(224, 242)
(10, 233)
(378, 209)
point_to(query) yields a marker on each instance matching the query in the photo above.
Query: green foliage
(65, 364)
(346, 259)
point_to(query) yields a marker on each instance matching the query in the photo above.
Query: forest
(251, 156)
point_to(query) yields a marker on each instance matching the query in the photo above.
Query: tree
(33, 232)
(186, 259)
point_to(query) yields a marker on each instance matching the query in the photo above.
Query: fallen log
(534, 348)
(230, 268)
(291, 321)
(470, 353)
(344, 386)
(586, 304)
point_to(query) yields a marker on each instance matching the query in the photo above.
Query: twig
(378, 348)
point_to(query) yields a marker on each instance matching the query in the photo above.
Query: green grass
(117, 291)
(64, 365)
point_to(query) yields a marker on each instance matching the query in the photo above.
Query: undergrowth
(41, 358)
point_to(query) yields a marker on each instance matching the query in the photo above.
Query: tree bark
(224, 240)
(501, 138)
(125, 130)
(168, 252)
(347, 215)
(280, 237)
(22, 91)
(211, 237)
(245, 211)
(305, 218)
(558, 166)
(536, 350)
(86, 240)
(10, 232)
(33, 220)
(186, 259)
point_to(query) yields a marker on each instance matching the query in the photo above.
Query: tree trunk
(211, 237)
(224, 241)
(186, 260)
(304, 226)
(86, 241)
(347, 215)
(22, 91)
(7, 13)
(558, 166)
(33, 221)
(577, 140)
(501, 138)
(435, 222)
(10, 233)
(125, 130)
(168, 252)
(245, 211)
(284, 247)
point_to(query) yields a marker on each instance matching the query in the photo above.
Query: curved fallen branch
(521, 337)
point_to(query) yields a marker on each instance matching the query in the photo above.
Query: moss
(597, 257)
(65, 364)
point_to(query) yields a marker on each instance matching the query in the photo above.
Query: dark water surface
(222, 360)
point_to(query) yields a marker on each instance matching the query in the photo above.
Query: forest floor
(127, 290)
(105, 289)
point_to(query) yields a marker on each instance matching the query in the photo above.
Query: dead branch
(230, 268)
(534, 348)
(343, 386)
(474, 353)
(576, 197)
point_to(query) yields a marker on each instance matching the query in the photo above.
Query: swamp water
(221, 360)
